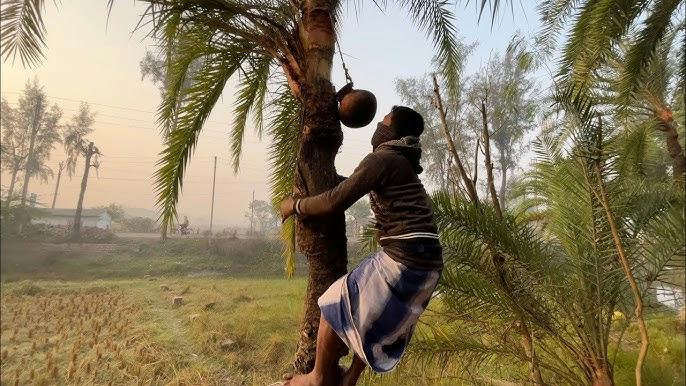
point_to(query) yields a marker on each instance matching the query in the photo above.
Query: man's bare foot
(312, 380)
(304, 380)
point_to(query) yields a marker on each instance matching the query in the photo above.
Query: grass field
(69, 328)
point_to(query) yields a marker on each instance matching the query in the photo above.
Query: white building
(94, 218)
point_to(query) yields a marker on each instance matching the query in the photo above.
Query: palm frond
(23, 31)
(437, 20)
(554, 14)
(494, 6)
(643, 50)
(663, 245)
(201, 98)
(599, 25)
(189, 48)
(250, 97)
(369, 240)
(285, 121)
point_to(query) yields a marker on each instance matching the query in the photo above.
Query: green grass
(254, 306)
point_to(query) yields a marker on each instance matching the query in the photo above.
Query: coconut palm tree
(282, 52)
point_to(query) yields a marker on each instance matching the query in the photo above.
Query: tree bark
(35, 127)
(602, 377)
(322, 240)
(487, 160)
(27, 173)
(469, 184)
(624, 261)
(503, 181)
(10, 191)
(57, 186)
(676, 152)
(76, 228)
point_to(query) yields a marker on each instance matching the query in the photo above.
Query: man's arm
(366, 176)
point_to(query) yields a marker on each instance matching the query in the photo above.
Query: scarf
(408, 146)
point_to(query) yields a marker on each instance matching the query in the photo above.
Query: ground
(109, 319)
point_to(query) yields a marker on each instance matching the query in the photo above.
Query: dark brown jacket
(404, 218)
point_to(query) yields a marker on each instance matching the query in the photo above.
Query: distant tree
(265, 215)
(508, 93)
(139, 225)
(14, 149)
(30, 132)
(359, 213)
(116, 211)
(417, 93)
(78, 146)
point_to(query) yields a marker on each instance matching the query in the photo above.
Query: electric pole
(214, 180)
(252, 211)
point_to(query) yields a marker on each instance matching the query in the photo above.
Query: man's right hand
(287, 208)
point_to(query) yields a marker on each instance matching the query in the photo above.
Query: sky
(90, 59)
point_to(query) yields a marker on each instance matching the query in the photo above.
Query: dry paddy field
(130, 333)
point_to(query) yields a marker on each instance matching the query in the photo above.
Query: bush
(61, 234)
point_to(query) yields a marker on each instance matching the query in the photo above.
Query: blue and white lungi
(375, 307)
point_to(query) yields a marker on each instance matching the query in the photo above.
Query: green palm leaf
(437, 20)
(643, 50)
(284, 128)
(251, 92)
(201, 98)
(23, 31)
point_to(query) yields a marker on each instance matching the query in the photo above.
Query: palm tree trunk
(321, 240)
(602, 377)
(676, 152)
(528, 345)
(624, 261)
(503, 180)
(10, 191)
(76, 229)
(57, 186)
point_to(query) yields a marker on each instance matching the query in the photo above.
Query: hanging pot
(356, 108)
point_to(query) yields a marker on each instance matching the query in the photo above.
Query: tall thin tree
(77, 146)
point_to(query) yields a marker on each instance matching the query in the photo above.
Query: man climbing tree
(373, 309)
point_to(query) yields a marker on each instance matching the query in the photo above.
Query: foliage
(30, 132)
(564, 253)
(139, 225)
(417, 93)
(75, 133)
(116, 211)
(266, 215)
(511, 98)
(360, 211)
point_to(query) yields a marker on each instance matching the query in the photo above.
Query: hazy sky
(90, 60)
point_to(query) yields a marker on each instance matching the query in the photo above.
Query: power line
(225, 124)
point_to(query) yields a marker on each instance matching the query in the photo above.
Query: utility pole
(252, 211)
(214, 180)
(57, 187)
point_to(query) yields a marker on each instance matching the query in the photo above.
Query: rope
(345, 68)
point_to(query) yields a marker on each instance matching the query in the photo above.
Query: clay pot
(357, 108)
